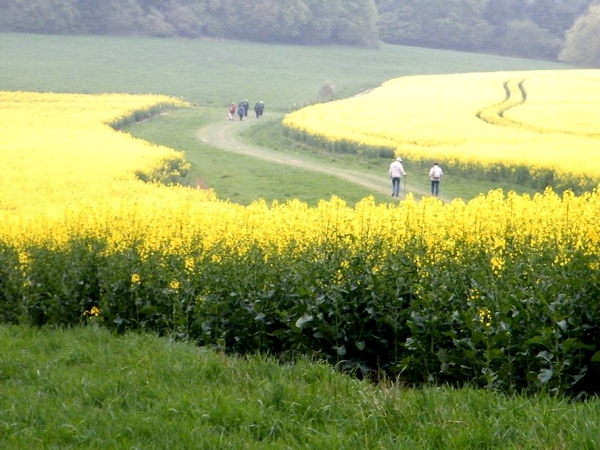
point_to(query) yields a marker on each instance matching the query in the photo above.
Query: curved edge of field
(224, 135)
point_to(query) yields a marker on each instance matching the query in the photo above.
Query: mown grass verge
(219, 169)
(86, 388)
(455, 185)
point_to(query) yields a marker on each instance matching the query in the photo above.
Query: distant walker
(435, 175)
(241, 112)
(259, 109)
(396, 172)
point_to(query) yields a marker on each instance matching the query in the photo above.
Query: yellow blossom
(485, 316)
(189, 264)
(94, 311)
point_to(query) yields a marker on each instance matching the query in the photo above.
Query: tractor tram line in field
(515, 96)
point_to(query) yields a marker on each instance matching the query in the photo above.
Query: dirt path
(224, 135)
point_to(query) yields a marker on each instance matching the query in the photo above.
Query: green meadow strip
(86, 388)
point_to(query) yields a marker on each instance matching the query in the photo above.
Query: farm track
(224, 135)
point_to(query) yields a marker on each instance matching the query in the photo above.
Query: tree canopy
(542, 29)
(346, 22)
(582, 44)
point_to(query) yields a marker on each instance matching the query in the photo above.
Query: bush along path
(225, 136)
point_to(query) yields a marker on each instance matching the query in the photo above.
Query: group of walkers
(242, 109)
(397, 172)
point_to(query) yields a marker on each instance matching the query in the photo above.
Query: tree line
(566, 30)
(305, 22)
(544, 29)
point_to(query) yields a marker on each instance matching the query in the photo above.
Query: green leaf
(304, 319)
(410, 344)
(341, 350)
(531, 376)
(567, 344)
(545, 375)
(541, 340)
(494, 353)
(563, 325)
(442, 355)
(545, 355)
(596, 357)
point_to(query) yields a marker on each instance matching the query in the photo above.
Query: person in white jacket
(396, 172)
(435, 175)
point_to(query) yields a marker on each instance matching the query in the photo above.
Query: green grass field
(244, 179)
(215, 73)
(85, 388)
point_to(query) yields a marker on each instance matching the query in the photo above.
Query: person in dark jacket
(241, 112)
(246, 106)
(259, 108)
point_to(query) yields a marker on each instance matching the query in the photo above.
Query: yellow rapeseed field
(67, 174)
(57, 149)
(61, 157)
(542, 120)
(501, 291)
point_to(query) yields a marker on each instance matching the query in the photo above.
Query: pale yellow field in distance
(547, 121)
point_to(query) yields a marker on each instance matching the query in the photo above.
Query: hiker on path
(259, 108)
(241, 112)
(244, 104)
(396, 172)
(231, 111)
(435, 175)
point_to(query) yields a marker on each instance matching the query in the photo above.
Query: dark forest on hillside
(565, 30)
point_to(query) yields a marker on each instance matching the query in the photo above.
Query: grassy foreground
(84, 388)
